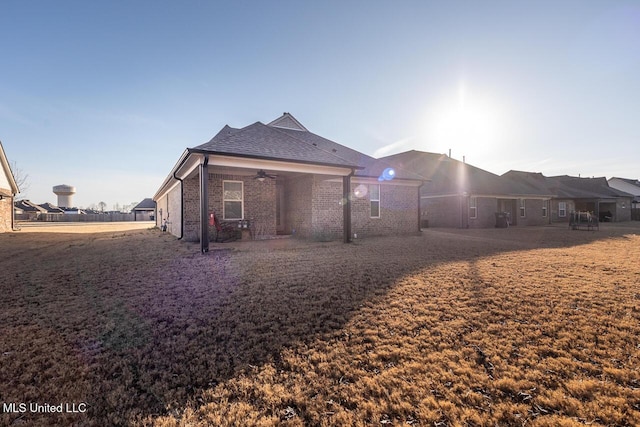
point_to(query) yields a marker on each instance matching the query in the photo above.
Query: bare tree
(102, 206)
(22, 179)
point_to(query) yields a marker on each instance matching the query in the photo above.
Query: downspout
(204, 203)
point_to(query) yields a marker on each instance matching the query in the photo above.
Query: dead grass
(525, 326)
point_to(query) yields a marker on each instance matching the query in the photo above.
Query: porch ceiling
(227, 170)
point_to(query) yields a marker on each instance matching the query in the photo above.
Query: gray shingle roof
(51, 208)
(261, 141)
(568, 187)
(532, 183)
(145, 205)
(29, 206)
(372, 167)
(629, 181)
(584, 188)
(450, 176)
(281, 140)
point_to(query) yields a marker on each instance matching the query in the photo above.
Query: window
(374, 199)
(562, 209)
(544, 208)
(522, 209)
(232, 200)
(473, 207)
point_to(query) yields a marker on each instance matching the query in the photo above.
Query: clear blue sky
(106, 95)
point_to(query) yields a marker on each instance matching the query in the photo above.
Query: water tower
(65, 195)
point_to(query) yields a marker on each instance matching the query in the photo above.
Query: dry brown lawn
(526, 326)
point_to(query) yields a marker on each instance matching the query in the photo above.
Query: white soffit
(275, 165)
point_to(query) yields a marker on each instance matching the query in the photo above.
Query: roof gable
(287, 121)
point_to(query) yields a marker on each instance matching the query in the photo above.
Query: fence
(43, 217)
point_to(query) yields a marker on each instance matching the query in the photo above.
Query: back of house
(268, 180)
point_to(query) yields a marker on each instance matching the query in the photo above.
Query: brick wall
(313, 207)
(555, 216)
(398, 212)
(442, 211)
(174, 210)
(327, 209)
(623, 211)
(6, 210)
(169, 209)
(454, 212)
(161, 203)
(533, 213)
(298, 198)
(191, 192)
(485, 212)
(259, 204)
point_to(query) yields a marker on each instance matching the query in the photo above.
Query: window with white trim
(473, 207)
(562, 209)
(232, 199)
(374, 200)
(544, 208)
(523, 211)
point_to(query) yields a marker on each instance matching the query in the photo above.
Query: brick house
(630, 186)
(8, 191)
(464, 196)
(572, 194)
(592, 195)
(279, 178)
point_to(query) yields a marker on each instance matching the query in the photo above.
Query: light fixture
(262, 175)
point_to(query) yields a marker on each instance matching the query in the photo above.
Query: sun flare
(467, 123)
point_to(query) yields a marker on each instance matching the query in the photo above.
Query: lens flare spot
(387, 175)
(360, 191)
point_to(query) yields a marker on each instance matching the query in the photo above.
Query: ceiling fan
(262, 175)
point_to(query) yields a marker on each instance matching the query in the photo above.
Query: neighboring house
(458, 194)
(631, 186)
(51, 208)
(8, 190)
(145, 210)
(573, 194)
(279, 178)
(591, 195)
(30, 210)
